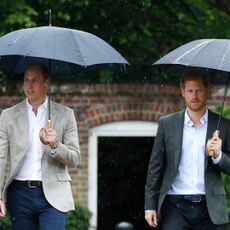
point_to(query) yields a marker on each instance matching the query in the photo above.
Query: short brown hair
(44, 69)
(195, 74)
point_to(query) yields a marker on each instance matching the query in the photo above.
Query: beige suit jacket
(14, 138)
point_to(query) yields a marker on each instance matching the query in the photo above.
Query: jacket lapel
(212, 124)
(53, 110)
(22, 121)
(178, 135)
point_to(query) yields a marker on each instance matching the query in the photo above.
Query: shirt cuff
(149, 210)
(217, 159)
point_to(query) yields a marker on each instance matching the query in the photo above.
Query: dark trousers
(29, 209)
(180, 214)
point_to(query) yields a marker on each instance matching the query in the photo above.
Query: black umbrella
(205, 53)
(210, 55)
(61, 50)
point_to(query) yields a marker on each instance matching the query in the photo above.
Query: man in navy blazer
(183, 188)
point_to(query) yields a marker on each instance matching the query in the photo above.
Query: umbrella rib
(223, 57)
(26, 51)
(69, 50)
(188, 51)
(31, 40)
(78, 48)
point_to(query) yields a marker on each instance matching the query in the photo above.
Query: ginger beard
(195, 95)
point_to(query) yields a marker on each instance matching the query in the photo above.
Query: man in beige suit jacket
(37, 189)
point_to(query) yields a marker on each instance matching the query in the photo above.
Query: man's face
(34, 85)
(195, 95)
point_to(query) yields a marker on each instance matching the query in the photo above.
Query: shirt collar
(43, 105)
(188, 121)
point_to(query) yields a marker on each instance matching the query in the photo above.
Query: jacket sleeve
(155, 170)
(224, 163)
(3, 150)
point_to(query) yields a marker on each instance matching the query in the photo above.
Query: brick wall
(96, 104)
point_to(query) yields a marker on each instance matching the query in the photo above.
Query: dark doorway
(122, 169)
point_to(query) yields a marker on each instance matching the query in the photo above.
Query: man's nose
(195, 94)
(30, 83)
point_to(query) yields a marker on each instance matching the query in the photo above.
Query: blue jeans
(29, 209)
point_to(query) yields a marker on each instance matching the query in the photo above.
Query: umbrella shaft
(225, 95)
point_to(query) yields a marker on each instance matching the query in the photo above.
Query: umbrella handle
(211, 152)
(43, 131)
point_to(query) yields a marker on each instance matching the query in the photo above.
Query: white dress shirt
(190, 176)
(31, 167)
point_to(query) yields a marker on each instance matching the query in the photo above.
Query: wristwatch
(53, 150)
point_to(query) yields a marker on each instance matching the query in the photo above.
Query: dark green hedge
(5, 223)
(78, 219)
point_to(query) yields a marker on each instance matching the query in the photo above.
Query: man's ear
(47, 82)
(182, 92)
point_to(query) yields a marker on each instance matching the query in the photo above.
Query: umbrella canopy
(205, 53)
(212, 55)
(62, 50)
